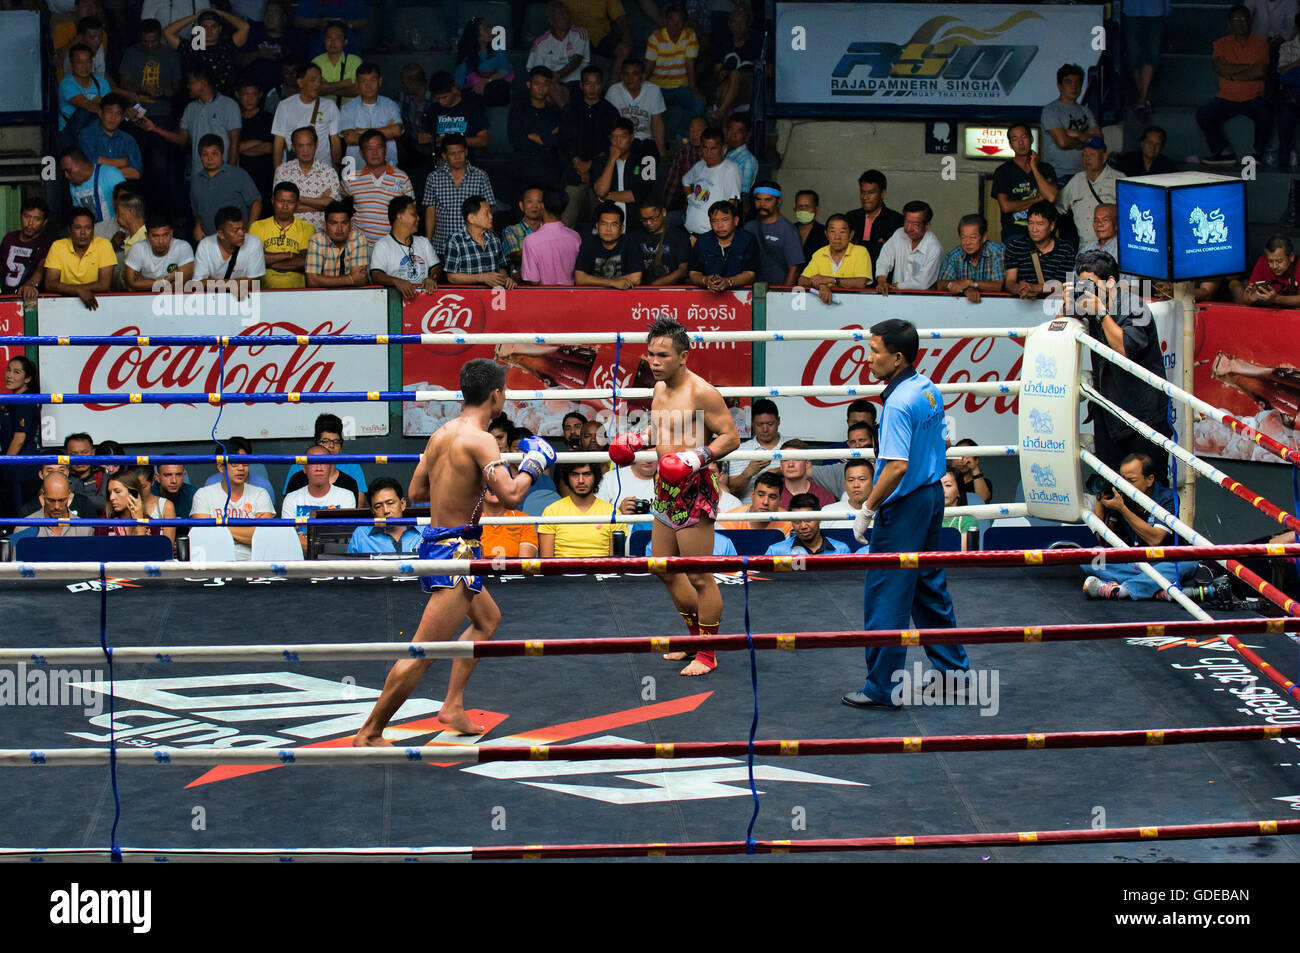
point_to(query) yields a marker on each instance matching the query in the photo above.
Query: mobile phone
(137, 112)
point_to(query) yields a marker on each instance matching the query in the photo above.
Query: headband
(767, 190)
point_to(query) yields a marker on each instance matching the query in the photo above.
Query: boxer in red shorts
(690, 427)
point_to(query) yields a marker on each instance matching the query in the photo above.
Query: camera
(642, 506)
(1096, 484)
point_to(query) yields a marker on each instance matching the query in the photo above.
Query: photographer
(634, 487)
(1122, 321)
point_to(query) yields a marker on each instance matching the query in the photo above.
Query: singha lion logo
(1043, 476)
(1040, 421)
(1144, 230)
(1210, 228)
(1045, 367)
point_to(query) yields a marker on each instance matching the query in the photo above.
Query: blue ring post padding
(115, 850)
(750, 846)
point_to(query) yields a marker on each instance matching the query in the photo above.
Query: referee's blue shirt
(911, 429)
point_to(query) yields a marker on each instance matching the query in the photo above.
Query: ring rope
(1266, 589)
(453, 338)
(1256, 828)
(1173, 632)
(1171, 589)
(559, 566)
(1257, 500)
(1200, 406)
(207, 755)
(217, 397)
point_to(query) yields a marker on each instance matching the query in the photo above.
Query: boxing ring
(786, 590)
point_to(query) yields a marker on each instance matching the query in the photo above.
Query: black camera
(1096, 484)
(642, 506)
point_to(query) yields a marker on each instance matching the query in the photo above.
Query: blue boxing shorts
(455, 542)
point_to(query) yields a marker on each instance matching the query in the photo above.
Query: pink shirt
(550, 253)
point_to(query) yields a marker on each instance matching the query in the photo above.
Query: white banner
(196, 369)
(898, 55)
(986, 420)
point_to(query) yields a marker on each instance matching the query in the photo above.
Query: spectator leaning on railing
(840, 263)
(909, 260)
(975, 265)
(608, 259)
(81, 265)
(339, 256)
(1037, 257)
(724, 258)
(160, 256)
(1274, 282)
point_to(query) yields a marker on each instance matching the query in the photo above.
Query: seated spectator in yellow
(284, 240)
(577, 539)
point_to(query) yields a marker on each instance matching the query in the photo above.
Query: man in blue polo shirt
(806, 536)
(386, 502)
(724, 258)
(903, 514)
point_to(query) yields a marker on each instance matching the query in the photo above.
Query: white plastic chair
(276, 544)
(211, 544)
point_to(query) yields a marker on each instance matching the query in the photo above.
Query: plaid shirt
(324, 259)
(514, 236)
(957, 267)
(466, 257)
(444, 195)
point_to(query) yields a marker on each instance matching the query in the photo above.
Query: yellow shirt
(343, 71)
(856, 263)
(84, 270)
(579, 539)
(283, 241)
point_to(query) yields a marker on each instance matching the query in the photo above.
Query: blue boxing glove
(538, 456)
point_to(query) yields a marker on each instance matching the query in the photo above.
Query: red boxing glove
(623, 448)
(675, 468)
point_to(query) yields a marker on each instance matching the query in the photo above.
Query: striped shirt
(372, 193)
(957, 267)
(670, 58)
(443, 194)
(324, 259)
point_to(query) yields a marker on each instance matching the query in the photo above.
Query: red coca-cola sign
(248, 370)
(846, 363)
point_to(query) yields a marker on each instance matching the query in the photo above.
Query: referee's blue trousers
(909, 524)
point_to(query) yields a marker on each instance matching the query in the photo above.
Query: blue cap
(1095, 142)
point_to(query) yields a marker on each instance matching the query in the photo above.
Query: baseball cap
(1095, 142)
(208, 14)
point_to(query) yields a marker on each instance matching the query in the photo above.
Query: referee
(904, 513)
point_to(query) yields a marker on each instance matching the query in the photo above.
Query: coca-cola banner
(11, 325)
(1246, 363)
(198, 369)
(986, 420)
(553, 310)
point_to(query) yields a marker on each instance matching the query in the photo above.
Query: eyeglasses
(329, 442)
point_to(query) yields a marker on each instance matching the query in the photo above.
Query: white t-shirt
(638, 110)
(208, 262)
(843, 504)
(301, 503)
(358, 115)
(293, 113)
(555, 54)
(396, 260)
(211, 499)
(706, 187)
(639, 488)
(736, 467)
(148, 265)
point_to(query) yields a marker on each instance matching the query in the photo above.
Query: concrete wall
(830, 155)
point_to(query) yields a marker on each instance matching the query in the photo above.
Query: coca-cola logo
(844, 363)
(257, 369)
(454, 312)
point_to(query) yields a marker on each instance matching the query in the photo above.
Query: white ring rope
(710, 337)
(978, 388)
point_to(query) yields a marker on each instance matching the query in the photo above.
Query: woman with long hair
(481, 69)
(20, 432)
(125, 495)
(110, 448)
(156, 507)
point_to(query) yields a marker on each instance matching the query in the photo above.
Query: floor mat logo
(290, 710)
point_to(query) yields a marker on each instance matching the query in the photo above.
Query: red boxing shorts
(685, 505)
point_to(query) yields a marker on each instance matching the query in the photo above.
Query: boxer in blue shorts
(458, 464)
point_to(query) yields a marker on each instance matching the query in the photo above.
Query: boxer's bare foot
(367, 740)
(674, 656)
(459, 722)
(699, 666)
